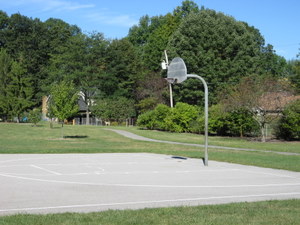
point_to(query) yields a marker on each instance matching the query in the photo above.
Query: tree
(25, 38)
(151, 89)
(118, 109)
(238, 122)
(63, 100)
(5, 68)
(259, 96)
(220, 49)
(19, 91)
(187, 7)
(121, 63)
(289, 124)
(158, 40)
(34, 116)
(81, 60)
(295, 74)
(15, 88)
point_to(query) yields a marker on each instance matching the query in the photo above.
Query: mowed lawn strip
(267, 212)
(23, 138)
(274, 145)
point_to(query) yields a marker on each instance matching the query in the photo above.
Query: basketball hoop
(171, 80)
(177, 73)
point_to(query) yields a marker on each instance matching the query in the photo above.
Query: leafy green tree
(63, 100)
(238, 122)
(35, 42)
(35, 116)
(139, 34)
(158, 41)
(289, 124)
(259, 97)
(147, 104)
(118, 109)
(25, 38)
(81, 60)
(19, 91)
(295, 74)
(15, 89)
(121, 63)
(5, 68)
(150, 37)
(153, 87)
(187, 7)
(220, 49)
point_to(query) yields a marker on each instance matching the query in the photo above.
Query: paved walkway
(140, 138)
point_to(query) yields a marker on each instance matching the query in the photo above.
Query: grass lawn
(280, 146)
(23, 138)
(262, 213)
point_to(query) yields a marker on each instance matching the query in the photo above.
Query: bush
(176, 119)
(235, 123)
(186, 118)
(146, 120)
(180, 117)
(35, 116)
(154, 119)
(161, 112)
(288, 126)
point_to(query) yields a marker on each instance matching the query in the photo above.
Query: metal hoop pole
(206, 115)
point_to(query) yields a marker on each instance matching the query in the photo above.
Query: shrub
(288, 127)
(161, 112)
(35, 116)
(235, 123)
(146, 120)
(180, 117)
(177, 119)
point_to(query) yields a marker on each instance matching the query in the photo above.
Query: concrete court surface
(57, 183)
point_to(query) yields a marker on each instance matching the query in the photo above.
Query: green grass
(261, 213)
(23, 138)
(219, 141)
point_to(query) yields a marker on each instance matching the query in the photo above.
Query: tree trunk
(62, 129)
(263, 136)
(87, 117)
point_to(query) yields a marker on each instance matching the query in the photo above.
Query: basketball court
(57, 183)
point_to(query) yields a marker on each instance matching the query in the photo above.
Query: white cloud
(59, 5)
(112, 19)
(80, 12)
(50, 5)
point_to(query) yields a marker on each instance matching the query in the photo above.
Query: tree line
(36, 55)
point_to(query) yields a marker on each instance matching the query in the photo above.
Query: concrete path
(56, 183)
(140, 138)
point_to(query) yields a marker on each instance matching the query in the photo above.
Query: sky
(277, 20)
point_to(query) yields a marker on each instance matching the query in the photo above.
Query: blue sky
(277, 20)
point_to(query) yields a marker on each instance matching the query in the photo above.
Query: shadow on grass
(76, 136)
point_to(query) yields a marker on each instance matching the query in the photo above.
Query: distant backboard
(177, 70)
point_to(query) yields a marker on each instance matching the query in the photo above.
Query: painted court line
(152, 202)
(269, 174)
(153, 186)
(49, 171)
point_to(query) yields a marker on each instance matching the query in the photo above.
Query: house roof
(82, 105)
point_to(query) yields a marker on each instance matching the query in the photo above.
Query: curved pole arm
(205, 114)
